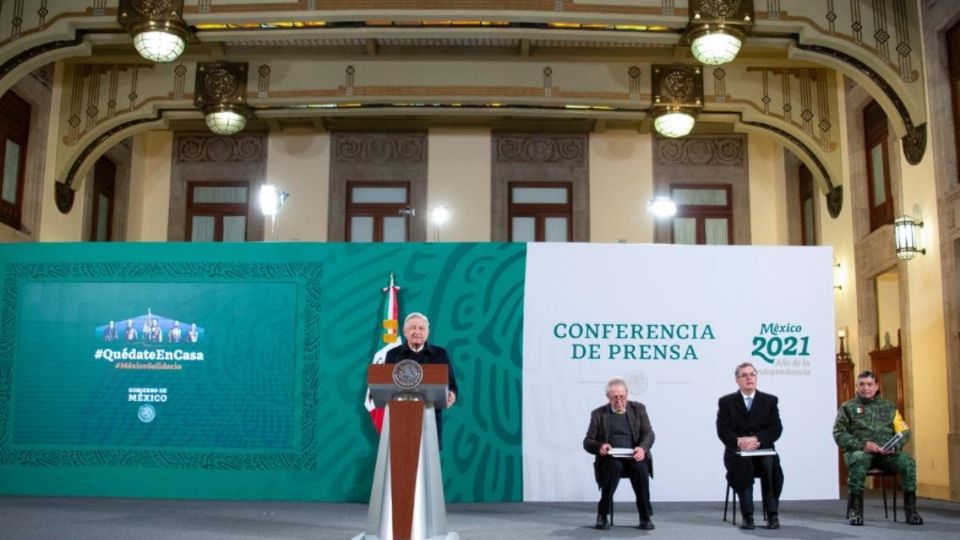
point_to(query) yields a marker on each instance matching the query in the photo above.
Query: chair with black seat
(876, 472)
(727, 498)
(596, 476)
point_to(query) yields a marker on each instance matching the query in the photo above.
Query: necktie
(749, 402)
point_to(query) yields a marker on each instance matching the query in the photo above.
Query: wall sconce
(843, 357)
(662, 207)
(906, 234)
(221, 93)
(159, 32)
(716, 29)
(677, 98)
(838, 277)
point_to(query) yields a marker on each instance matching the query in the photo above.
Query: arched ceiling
(401, 64)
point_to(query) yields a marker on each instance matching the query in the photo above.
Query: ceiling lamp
(221, 93)
(677, 98)
(717, 28)
(159, 33)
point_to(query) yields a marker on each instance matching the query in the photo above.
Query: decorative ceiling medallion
(720, 9)
(220, 84)
(152, 8)
(678, 86)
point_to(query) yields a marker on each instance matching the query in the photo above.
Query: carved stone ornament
(915, 143)
(220, 83)
(380, 148)
(561, 149)
(834, 201)
(708, 151)
(677, 84)
(64, 197)
(152, 8)
(720, 9)
(218, 149)
(677, 87)
(407, 374)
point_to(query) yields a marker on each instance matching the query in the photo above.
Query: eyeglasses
(618, 398)
(747, 375)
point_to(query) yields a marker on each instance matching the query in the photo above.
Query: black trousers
(767, 468)
(609, 474)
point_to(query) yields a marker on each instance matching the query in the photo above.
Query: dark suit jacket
(733, 420)
(640, 430)
(429, 354)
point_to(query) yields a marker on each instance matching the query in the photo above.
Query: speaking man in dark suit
(416, 329)
(621, 425)
(749, 420)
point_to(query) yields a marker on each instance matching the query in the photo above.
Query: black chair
(882, 474)
(596, 477)
(726, 501)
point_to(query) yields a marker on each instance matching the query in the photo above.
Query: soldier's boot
(910, 508)
(855, 508)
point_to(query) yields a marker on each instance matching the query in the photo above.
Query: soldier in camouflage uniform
(862, 428)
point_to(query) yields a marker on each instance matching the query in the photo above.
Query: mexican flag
(390, 339)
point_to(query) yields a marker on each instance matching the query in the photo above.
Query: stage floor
(61, 518)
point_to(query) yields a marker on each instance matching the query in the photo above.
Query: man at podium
(416, 329)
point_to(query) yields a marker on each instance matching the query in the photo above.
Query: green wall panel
(268, 403)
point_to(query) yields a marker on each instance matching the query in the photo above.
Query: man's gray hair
(736, 372)
(416, 315)
(617, 381)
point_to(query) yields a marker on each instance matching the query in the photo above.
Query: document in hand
(891, 445)
(621, 452)
(757, 453)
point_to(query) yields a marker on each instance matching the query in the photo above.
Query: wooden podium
(406, 501)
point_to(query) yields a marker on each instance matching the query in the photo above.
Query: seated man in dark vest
(620, 436)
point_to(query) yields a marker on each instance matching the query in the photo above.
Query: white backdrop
(735, 295)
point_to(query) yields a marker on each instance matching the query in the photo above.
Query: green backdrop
(268, 402)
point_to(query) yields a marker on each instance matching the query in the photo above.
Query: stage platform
(58, 518)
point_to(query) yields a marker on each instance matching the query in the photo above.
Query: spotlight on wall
(271, 201)
(677, 98)
(439, 215)
(716, 29)
(221, 93)
(662, 207)
(906, 234)
(159, 32)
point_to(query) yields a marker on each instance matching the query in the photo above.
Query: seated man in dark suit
(750, 420)
(621, 425)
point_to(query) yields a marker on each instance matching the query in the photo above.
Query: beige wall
(150, 186)
(888, 307)
(55, 226)
(621, 184)
(298, 162)
(768, 198)
(838, 232)
(926, 353)
(458, 176)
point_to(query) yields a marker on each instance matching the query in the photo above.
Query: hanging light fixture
(906, 234)
(159, 32)
(221, 93)
(677, 98)
(717, 28)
